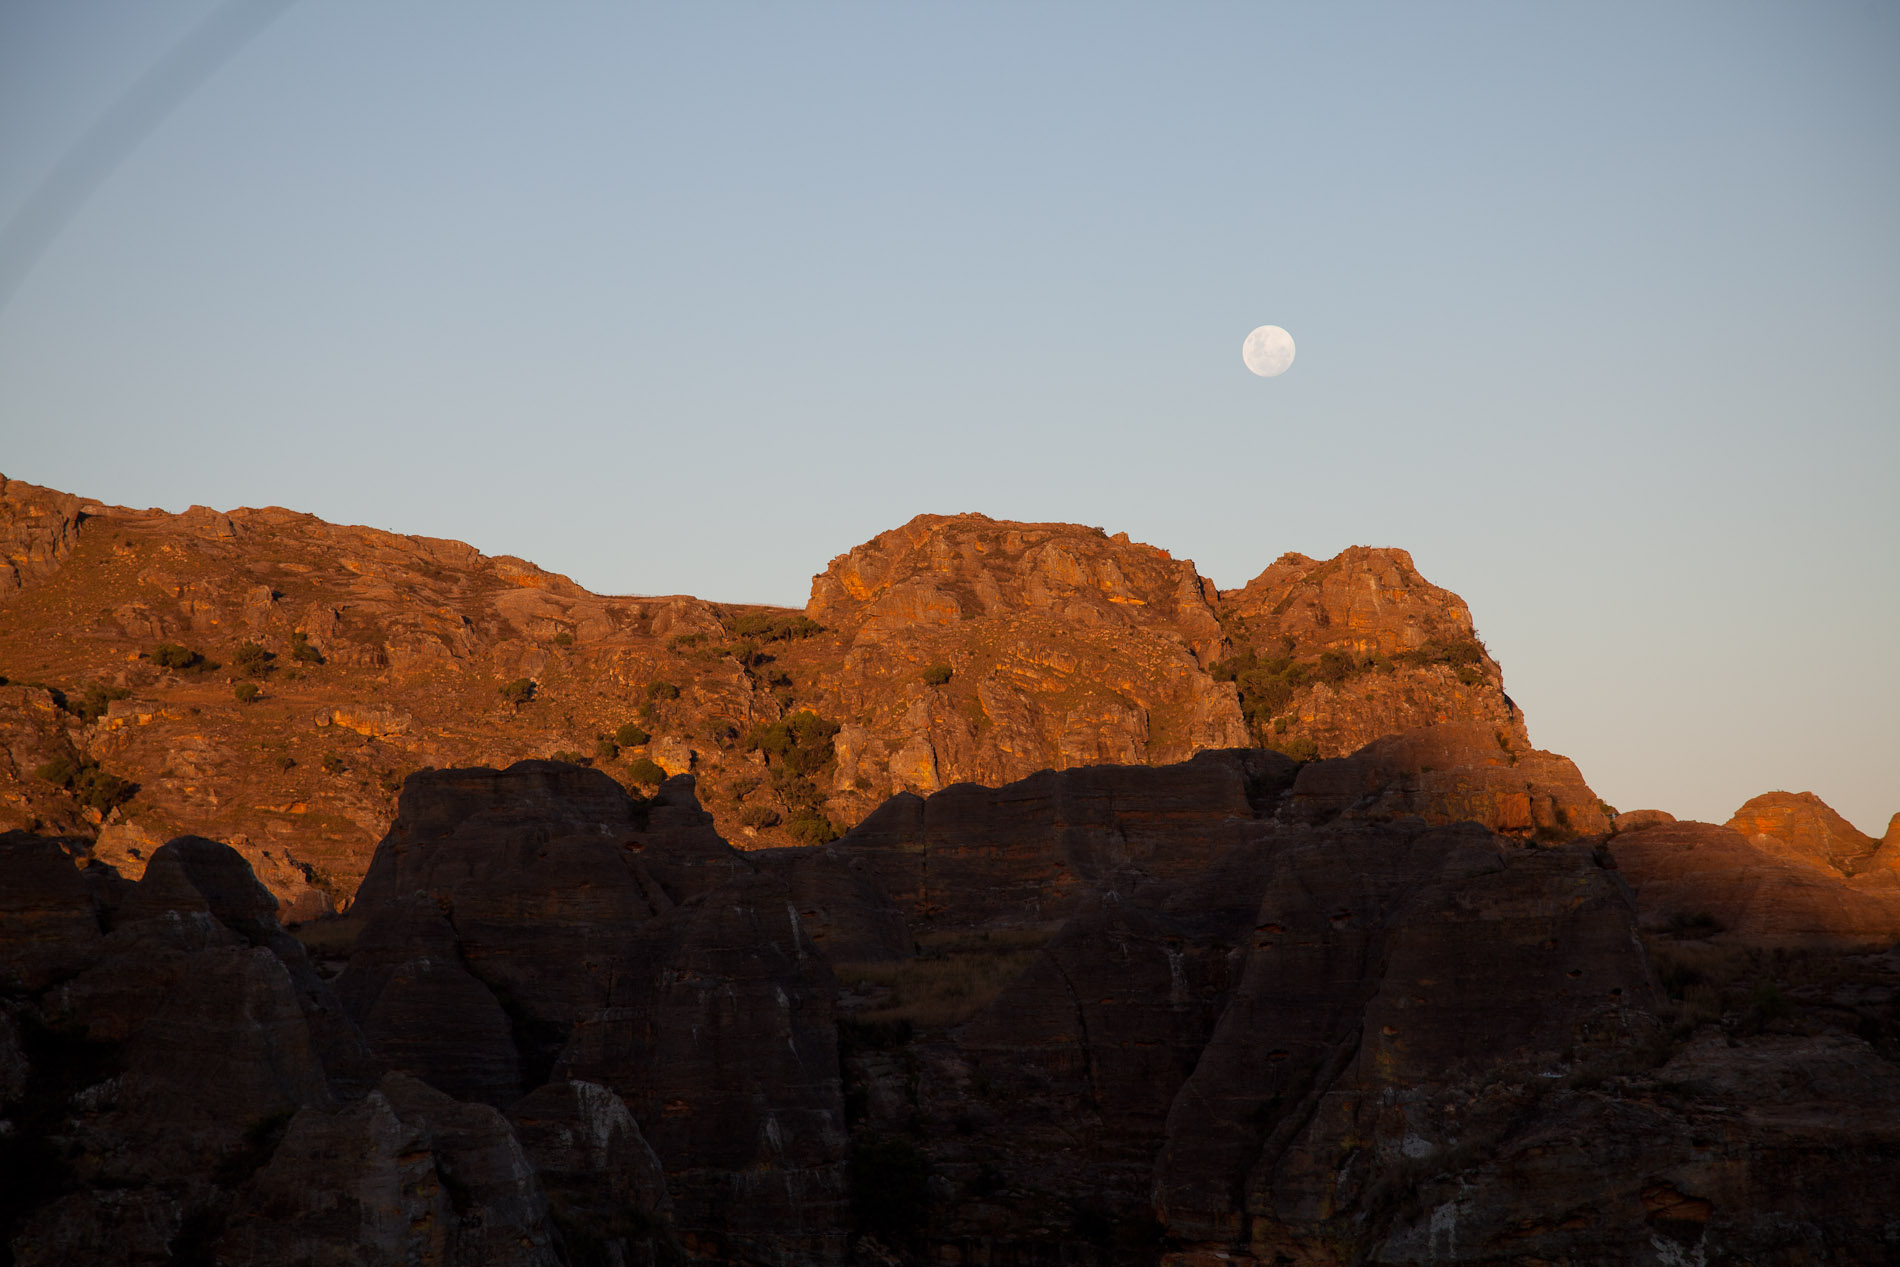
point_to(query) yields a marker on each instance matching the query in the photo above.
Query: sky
(1596, 309)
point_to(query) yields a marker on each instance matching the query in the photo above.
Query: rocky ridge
(268, 679)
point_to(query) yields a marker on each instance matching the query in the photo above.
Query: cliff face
(955, 648)
(1181, 1015)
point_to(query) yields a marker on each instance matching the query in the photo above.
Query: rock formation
(952, 649)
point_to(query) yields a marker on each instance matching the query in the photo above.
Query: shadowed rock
(1457, 772)
(1684, 873)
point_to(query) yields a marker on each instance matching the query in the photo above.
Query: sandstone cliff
(268, 679)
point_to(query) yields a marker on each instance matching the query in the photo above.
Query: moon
(1268, 351)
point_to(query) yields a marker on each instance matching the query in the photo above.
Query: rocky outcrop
(538, 922)
(1688, 875)
(1058, 646)
(1802, 827)
(38, 529)
(956, 648)
(1454, 773)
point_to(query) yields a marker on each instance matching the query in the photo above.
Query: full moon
(1268, 351)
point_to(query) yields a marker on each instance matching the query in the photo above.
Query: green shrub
(92, 705)
(93, 786)
(301, 651)
(247, 692)
(169, 655)
(252, 660)
(605, 749)
(759, 816)
(809, 827)
(569, 758)
(519, 691)
(645, 770)
(721, 732)
(662, 691)
(631, 736)
(938, 674)
(564, 639)
(767, 627)
(801, 743)
(1300, 748)
(1267, 684)
(1336, 665)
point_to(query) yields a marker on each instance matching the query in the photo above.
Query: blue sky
(1596, 310)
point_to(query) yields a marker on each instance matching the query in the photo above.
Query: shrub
(662, 691)
(801, 743)
(92, 705)
(767, 627)
(169, 655)
(758, 817)
(631, 736)
(1336, 665)
(564, 639)
(605, 749)
(563, 755)
(92, 786)
(1266, 684)
(252, 660)
(938, 674)
(1300, 748)
(645, 770)
(247, 692)
(301, 651)
(809, 827)
(519, 691)
(333, 764)
(719, 731)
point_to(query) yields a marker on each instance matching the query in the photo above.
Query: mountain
(953, 649)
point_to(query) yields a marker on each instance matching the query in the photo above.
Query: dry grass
(953, 977)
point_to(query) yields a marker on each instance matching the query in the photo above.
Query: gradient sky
(1598, 310)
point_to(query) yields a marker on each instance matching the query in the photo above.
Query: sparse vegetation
(519, 691)
(605, 749)
(1266, 684)
(646, 772)
(809, 826)
(247, 692)
(92, 703)
(658, 691)
(758, 817)
(170, 655)
(301, 651)
(938, 674)
(631, 736)
(564, 639)
(567, 757)
(1299, 747)
(92, 786)
(253, 660)
(771, 627)
(333, 764)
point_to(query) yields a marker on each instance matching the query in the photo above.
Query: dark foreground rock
(1231, 1011)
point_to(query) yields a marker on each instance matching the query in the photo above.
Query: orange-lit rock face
(953, 649)
(1801, 826)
